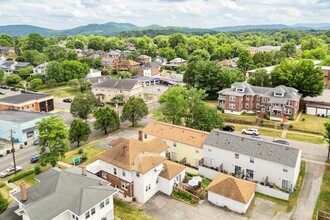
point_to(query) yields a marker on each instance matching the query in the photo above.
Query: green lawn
(323, 201)
(28, 180)
(90, 150)
(213, 103)
(240, 119)
(311, 123)
(126, 211)
(61, 92)
(305, 138)
(5, 193)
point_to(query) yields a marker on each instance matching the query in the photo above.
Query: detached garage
(319, 105)
(233, 193)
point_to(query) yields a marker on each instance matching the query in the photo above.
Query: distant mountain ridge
(112, 28)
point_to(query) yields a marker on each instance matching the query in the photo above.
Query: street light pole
(13, 149)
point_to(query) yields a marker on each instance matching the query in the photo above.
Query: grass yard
(323, 201)
(90, 152)
(61, 92)
(305, 138)
(312, 123)
(240, 119)
(213, 103)
(263, 131)
(128, 212)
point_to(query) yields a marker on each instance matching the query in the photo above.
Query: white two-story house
(251, 159)
(138, 169)
(70, 194)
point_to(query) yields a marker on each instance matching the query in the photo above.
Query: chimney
(83, 171)
(140, 135)
(23, 192)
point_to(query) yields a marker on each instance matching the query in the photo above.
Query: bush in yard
(20, 175)
(303, 119)
(80, 151)
(291, 118)
(3, 204)
(37, 169)
(267, 117)
(282, 124)
(291, 126)
(261, 121)
(2, 184)
(84, 156)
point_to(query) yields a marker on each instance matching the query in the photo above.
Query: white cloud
(63, 14)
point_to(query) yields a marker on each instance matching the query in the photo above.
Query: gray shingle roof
(18, 116)
(248, 146)
(150, 65)
(65, 190)
(126, 84)
(23, 97)
(289, 92)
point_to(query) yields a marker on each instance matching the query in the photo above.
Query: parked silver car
(9, 171)
(251, 131)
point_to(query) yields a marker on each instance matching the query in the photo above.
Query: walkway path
(309, 192)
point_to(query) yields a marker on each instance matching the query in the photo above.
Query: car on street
(257, 138)
(36, 142)
(4, 87)
(35, 158)
(282, 142)
(10, 170)
(14, 89)
(2, 92)
(251, 131)
(229, 128)
(67, 100)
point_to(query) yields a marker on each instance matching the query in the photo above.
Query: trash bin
(8, 151)
(25, 143)
(21, 146)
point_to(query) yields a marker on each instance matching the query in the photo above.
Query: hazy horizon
(68, 14)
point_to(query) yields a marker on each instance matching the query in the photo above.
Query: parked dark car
(282, 142)
(24, 91)
(14, 89)
(35, 158)
(4, 87)
(229, 128)
(68, 100)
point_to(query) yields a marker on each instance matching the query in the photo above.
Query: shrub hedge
(20, 175)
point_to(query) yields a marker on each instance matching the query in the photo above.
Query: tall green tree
(245, 61)
(12, 79)
(54, 71)
(83, 104)
(35, 42)
(73, 69)
(289, 49)
(25, 72)
(2, 74)
(327, 137)
(79, 131)
(301, 75)
(106, 118)
(191, 73)
(260, 78)
(176, 102)
(204, 117)
(325, 61)
(53, 139)
(212, 77)
(134, 110)
(55, 52)
(176, 39)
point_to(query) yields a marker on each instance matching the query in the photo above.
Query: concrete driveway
(309, 192)
(163, 207)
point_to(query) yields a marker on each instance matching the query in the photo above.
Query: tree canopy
(79, 131)
(83, 104)
(134, 110)
(106, 118)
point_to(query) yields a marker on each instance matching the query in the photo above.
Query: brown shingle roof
(176, 133)
(233, 188)
(132, 154)
(171, 169)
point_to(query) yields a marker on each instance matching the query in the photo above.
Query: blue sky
(64, 14)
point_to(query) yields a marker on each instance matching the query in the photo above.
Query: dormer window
(239, 90)
(278, 94)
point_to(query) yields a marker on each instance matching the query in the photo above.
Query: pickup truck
(9, 171)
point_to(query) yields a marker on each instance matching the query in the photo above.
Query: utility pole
(13, 149)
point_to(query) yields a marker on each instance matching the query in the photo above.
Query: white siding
(166, 186)
(310, 111)
(229, 203)
(260, 166)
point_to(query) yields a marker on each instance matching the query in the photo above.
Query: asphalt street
(22, 156)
